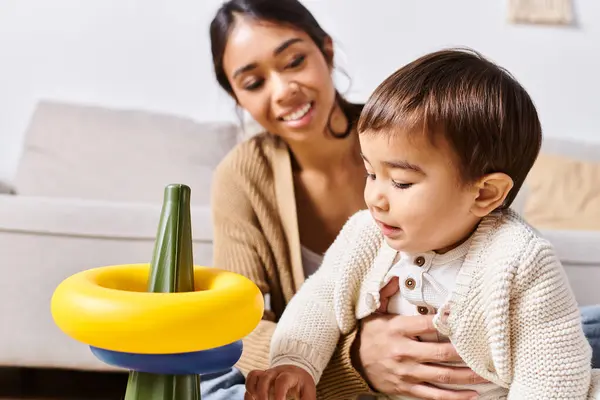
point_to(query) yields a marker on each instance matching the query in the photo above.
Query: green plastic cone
(171, 270)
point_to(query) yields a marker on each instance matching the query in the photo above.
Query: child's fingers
(391, 288)
(252, 380)
(286, 386)
(258, 384)
(264, 383)
(386, 292)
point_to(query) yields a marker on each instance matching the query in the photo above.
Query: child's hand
(392, 287)
(280, 383)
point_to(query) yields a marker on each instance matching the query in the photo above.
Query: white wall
(155, 55)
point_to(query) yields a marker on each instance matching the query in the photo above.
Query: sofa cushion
(119, 155)
(97, 219)
(563, 193)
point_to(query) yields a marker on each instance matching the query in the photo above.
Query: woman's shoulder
(243, 182)
(250, 158)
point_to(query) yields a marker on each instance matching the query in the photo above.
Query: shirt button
(420, 261)
(409, 283)
(423, 310)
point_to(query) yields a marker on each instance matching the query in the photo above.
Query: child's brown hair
(487, 117)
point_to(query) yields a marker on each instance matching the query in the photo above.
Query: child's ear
(492, 190)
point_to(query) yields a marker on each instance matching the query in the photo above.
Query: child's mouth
(388, 230)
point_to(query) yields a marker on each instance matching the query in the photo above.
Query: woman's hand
(393, 361)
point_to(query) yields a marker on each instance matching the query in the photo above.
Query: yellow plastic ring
(109, 308)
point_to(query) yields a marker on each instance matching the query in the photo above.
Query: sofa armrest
(579, 255)
(89, 218)
(5, 188)
(575, 247)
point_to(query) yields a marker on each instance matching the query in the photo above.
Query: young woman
(280, 198)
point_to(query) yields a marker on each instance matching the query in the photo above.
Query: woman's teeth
(299, 113)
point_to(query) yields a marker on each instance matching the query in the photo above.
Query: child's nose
(379, 201)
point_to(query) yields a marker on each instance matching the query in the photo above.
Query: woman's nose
(283, 89)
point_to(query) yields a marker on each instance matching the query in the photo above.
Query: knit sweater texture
(512, 316)
(255, 229)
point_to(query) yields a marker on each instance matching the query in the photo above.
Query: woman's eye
(297, 61)
(253, 85)
(370, 176)
(399, 185)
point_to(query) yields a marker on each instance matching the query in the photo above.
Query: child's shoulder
(512, 229)
(508, 237)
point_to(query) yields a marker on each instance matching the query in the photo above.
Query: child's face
(415, 193)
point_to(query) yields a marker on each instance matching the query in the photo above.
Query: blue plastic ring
(193, 363)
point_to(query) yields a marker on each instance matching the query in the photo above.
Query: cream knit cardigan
(512, 317)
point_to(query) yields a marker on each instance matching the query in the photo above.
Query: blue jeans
(226, 385)
(229, 385)
(590, 316)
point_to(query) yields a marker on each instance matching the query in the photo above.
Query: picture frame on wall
(546, 12)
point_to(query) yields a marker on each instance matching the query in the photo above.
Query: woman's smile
(299, 117)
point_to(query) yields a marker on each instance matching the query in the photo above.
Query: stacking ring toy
(199, 362)
(167, 322)
(108, 308)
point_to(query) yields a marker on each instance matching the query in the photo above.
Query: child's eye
(403, 186)
(370, 176)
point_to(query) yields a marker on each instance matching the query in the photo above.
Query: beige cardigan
(256, 234)
(512, 316)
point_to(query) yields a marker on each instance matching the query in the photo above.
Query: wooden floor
(36, 384)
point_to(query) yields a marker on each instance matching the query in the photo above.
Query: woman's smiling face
(281, 77)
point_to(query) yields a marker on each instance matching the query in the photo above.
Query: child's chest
(424, 285)
(425, 282)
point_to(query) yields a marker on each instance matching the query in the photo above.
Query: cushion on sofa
(563, 193)
(119, 155)
(98, 219)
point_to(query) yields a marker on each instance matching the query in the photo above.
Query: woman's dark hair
(284, 12)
